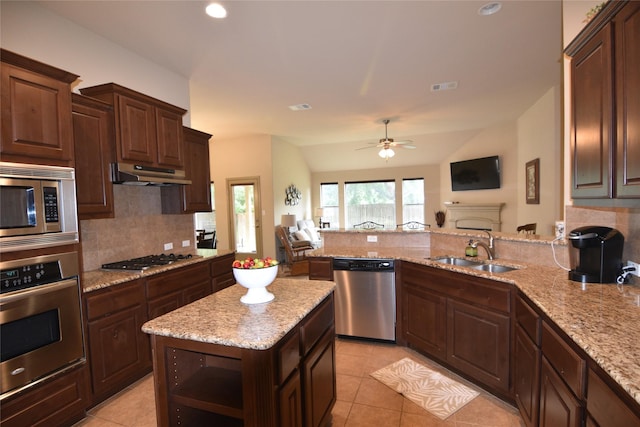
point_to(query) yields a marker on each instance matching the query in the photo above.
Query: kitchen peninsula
(560, 350)
(219, 361)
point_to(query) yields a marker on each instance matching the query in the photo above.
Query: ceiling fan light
(386, 153)
(390, 153)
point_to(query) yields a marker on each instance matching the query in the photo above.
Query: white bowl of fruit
(255, 275)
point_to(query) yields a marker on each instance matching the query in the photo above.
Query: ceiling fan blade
(364, 148)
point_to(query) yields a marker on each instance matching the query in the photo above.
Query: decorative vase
(256, 281)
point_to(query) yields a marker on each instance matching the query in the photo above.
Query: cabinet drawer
(569, 365)
(114, 299)
(528, 320)
(222, 265)
(288, 357)
(318, 322)
(177, 280)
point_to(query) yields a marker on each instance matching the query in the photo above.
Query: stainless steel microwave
(37, 206)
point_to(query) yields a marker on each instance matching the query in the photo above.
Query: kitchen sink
(493, 268)
(457, 261)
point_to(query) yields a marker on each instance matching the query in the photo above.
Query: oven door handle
(38, 290)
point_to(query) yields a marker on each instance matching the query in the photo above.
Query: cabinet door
(627, 37)
(478, 343)
(136, 130)
(558, 406)
(93, 147)
(195, 292)
(526, 373)
(118, 349)
(170, 138)
(320, 268)
(291, 402)
(36, 117)
(424, 320)
(591, 126)
(319, 382)
(164, 304)
(605, 407)
(222, 282)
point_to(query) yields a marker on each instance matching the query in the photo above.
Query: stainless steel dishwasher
(365, 298)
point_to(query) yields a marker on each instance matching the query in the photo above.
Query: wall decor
(532, 171)
(292, 196)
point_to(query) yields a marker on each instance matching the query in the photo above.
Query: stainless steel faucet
(490, 249)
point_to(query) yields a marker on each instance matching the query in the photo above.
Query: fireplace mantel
(474, 216)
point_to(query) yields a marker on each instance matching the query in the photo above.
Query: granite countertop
(222, 319)
(602, 319)
(98, 279)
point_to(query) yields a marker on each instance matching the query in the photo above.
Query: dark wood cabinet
(290, 384)
(60, 401)
(607, 404)
(36, 112)
(175, 288)
(461, 320)
(526, 361)
(197, 196)
(118, 350)
(320, 268)
(222, 272)
(147, 131)
(558, 405)
(605, 88)
(478, 343)
(424, 314)
(93, 148)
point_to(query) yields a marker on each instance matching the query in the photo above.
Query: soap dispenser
(471, 250)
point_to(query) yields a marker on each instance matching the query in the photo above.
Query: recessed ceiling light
(300, 107)
(490, 8)
(216, 10)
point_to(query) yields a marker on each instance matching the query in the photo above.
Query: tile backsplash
(138, 228)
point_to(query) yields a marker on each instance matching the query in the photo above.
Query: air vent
(444, 86)
(300, 107)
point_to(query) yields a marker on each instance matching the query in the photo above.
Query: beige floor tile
(340, 413)
(368, 416)
(485, 411)
(373, 393)
(425, 420)
(347, 387)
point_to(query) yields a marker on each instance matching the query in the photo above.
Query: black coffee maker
(595, 254)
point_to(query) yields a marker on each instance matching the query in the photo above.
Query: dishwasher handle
(362, 264)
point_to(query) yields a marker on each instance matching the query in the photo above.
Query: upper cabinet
(148, 131)
(605, 108)
(197, 196)
(36, 112)
(94, 152)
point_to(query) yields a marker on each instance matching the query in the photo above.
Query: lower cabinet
(291, 384)
(558, 405)
(118, 350)
(526, 376)
(320, 268)
(222, 272)
(460, 320)
(605, 404)
(175, 288)
(58, 402)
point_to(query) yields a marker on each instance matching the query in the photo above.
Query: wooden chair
(368, 225)
(413, 225)
(527, 228)
(295, 252)
(207, 240)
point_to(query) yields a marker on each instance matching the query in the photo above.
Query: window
(413, 200)
(370, 201)
(330, 203)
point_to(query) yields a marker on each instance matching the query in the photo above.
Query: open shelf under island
(218, 361)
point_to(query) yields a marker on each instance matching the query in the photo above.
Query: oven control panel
(27, 276)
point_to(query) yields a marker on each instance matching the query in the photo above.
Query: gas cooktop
(145, 262)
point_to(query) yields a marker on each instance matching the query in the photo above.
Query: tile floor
(361, 400)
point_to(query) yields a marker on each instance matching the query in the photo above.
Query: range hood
(133, 174)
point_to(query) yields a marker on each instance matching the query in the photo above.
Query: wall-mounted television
(475, 174)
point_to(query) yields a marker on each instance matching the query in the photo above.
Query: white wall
(289, 167)
(36, 32)
(539, 137)
(499, 141)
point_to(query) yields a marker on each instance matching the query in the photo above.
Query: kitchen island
(218, 361)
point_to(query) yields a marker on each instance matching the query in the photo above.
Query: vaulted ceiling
(354, 63)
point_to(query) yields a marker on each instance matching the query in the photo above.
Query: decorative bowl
(256, 281)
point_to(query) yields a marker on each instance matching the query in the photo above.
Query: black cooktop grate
(145, 262)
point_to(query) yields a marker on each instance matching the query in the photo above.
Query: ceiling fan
(387, 144)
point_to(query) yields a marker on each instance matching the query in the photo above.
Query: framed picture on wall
(532, 171)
